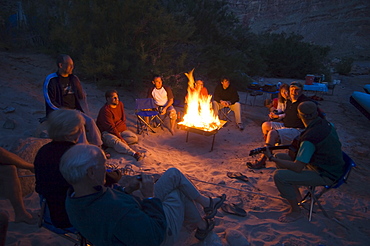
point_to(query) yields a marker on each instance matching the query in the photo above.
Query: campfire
(199, 112)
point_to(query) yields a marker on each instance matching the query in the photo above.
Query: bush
(344, 67)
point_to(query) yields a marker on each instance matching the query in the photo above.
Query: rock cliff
(343, 25)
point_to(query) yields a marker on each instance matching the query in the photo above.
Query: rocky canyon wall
(343, 25)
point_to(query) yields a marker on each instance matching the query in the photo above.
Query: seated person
(198, 86)
(291, 126)
(226, 95)
(271, 105)
(11, 186)
(163, 98)
(64, 127)
(111, 122)
(319, 160)
(278, 113)
(126, 219)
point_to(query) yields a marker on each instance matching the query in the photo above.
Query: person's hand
(147, 186)
(131, 183)
(272, 115)
(163, 111)
(267, 152)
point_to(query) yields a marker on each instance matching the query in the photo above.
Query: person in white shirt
(163, 98)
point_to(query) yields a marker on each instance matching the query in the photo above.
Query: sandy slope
(21, 85)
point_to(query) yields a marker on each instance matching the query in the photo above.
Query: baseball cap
(308, 110)
(296, 84)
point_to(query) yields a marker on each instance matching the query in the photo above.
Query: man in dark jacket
(226, 95)
(63, 89)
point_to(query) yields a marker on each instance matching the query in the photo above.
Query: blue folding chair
(146, 109)
(70, 233)
(310, 195)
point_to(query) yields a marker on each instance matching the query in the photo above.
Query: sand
(21, 87)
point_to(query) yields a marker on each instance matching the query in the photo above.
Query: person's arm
(304, 155)
(8, 158)
(170, 99)
(50, 91)
(234, 95)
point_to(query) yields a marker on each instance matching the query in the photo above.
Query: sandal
(211, 210)
(258, 164)
(233, 209)
(237, 175)
(201, 234)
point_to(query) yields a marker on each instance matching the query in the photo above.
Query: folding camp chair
(225, 114)
(70, 234)
(310, 195)
(146, 108)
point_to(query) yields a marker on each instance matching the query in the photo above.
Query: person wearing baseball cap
(286, 131)
(319, 160)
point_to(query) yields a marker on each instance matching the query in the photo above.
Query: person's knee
(173, 115)
(173, 170)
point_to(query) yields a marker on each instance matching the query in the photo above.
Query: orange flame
(199, 113)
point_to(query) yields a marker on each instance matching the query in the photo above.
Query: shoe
(237, 175)
(240, 126)
(211, 210)
(233, 209)
(258, 164)
(201, 234)
(138, 156)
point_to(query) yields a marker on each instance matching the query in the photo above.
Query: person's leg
(287, 182)
(92, 131)
(173, 179)
(114, 142)
(11, 188)
(178, 195)
(4, 220)
(216, 107)
(287, 135)
(237, 111)
(173, 117)
(129, 137)
(266, 127)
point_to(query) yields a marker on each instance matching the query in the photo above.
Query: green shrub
(344, 67)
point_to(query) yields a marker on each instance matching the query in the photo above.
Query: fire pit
(202, 132)
(199, 116)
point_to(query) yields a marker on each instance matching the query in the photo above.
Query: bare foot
(26, 218)
(290, 217)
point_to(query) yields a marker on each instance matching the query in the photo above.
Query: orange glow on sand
(199, 113)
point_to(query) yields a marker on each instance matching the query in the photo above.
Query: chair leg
(312, 196)
(315, 199)
(146, 124)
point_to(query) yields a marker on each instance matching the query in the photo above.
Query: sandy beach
(21, 88)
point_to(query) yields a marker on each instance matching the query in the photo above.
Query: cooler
(309, 79)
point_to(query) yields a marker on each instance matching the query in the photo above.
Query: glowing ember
(199, 113)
